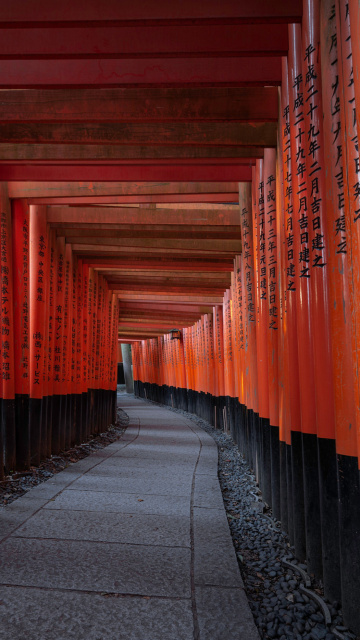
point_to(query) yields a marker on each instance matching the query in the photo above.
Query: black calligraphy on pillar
(6, 370)
(248, 258)
(262, 243)
(290, 263)
(271, 242)
(314, 150)
(25, 346)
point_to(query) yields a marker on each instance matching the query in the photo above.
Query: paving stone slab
(158, 451)
(121, 502)
(215, 561)
(96, 566)
(224, 614)
(134, 465)
(145, 529)
(155, 484)
(34, 614)
(208, 462)
(207, 492)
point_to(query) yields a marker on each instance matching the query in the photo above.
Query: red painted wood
(110, 173)
(136, 105)
(243, 71)
(181, 198)
(100, 42)
(34, 11)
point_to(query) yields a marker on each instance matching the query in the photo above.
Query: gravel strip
(18, 483)
(281, 610)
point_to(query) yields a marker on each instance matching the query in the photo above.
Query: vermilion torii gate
(194, 166)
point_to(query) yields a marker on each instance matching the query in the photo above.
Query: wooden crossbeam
(164, 172)
(112, 153)
(160, 41)
(213, 104)
(61, 216)
(261, 134)
(30, 189)
(31, 12)
(155, 231)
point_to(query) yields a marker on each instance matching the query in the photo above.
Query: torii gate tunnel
(191, 166)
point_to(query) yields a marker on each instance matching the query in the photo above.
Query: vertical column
(219, 362)
(292, 419)
(303, 446)
(324, 390)
(8, 457)
(273, 313)
(261, 335)
(66, 346)
(283, 355)
(47, 399)
(38, 262)
(346, 228)
(251, 398)
(21, 277)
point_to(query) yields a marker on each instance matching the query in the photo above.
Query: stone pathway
(131, 543)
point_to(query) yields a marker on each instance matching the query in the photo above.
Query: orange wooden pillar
(38, 263)
(21, 279)
(79, 330)
(238, 344)
(85, 321)
(282, 179)
(261, 333)
(344, 239)
(8, 454)
(250, 420)
(229, 378)
(273, 320)
(66, 344)
(47, 398)
(304, 466)
(219, 363)
(291, 395)
(325, 452)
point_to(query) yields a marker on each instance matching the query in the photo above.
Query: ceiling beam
(154, 72)
(261, 134)
(144, 216)
(126, 153)
(137, 231)
(164, 172)
(213, 104)
(188, 244)
(136, 263)
(30, 189)
(156, 41)
(176, 298)
(31, 12)
(151, 306)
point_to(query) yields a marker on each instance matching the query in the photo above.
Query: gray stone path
(131, 543)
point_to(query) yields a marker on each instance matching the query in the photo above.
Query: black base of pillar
(329, 505)
(275, 471)
(8, 424)
(349, 506)
(22, 431)
(35, 407)
(312, 504)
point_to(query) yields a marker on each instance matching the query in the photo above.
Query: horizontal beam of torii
(134, 216)
(102, 172)
(161, 41)
(212, 11)
(213, 104)
(47, 190)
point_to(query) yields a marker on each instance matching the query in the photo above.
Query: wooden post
(20, 231)
(8, 459)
